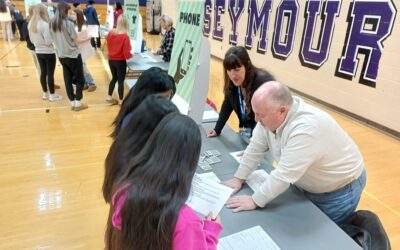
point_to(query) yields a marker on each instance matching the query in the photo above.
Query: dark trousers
(20, 24)
(118, 71)
(47, 63)
(73, 70)
(95, 42)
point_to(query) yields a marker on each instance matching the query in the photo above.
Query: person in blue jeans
(76, 17)
(311, 150)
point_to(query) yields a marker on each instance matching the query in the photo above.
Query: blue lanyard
(242, 105)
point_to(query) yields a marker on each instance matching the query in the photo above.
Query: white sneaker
(45, 96)
(55, 97)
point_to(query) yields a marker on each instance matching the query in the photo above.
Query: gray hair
(167, 20)
(280, 94)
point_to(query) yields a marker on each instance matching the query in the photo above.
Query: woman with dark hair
(118, 11)
(66, 40)
(152, 81)
(242, 79)
(148, 208)
(135, 135)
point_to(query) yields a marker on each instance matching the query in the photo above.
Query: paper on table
(256, 179)
(237, 155)
(254, 238)
(210, 176)
(93, 30)
(207, 196)
(210, 114)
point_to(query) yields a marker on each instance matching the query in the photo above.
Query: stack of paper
(207, 158)
(254, 238)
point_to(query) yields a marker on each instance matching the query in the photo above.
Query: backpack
(365, 228)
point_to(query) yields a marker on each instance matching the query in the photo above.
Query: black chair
(365, 228)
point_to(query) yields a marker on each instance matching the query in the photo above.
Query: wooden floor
(51, 163)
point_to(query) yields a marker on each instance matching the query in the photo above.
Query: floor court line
(382, 203)
(44, 108)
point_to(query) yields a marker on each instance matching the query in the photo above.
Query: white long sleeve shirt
(312, 150)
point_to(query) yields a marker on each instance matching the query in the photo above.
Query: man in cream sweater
(312, 151)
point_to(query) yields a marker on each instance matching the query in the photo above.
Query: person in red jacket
(119, 50)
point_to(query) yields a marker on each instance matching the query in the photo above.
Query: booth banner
(186, 49)
(28, 3)
(131, 11)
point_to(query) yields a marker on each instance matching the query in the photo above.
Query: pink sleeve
(191, 233)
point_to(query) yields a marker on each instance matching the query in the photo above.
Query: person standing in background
(168, 40)
(51, 10)
(39, 34)
(119, 50)
(80, 26)
(118, 11)
(92, 19)
(66, 40)
(5, 21)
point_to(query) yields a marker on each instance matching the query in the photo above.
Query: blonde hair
(122, 25)
(167, 20)
(39, 13)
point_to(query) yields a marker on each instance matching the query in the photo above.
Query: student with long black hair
(135, 135)
(148, 208)
(152, 81)
(242, 79)
(66, 40)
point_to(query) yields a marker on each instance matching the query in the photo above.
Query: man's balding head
(271, 103)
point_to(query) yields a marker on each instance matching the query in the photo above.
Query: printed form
(208, 195)
(254, 238)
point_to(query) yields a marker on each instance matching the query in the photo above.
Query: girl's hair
(160, 178)
(133, 137)
(122, 24)
(237, 57)
(39, 13)
(3, 6)
(80, 20)
(152, 81)
(118, 6)
(56, 23)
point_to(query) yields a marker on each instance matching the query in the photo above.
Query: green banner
(131, 11)
(28, 3)
(186, 49)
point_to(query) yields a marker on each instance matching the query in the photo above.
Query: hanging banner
(186, 49)
(131, 11)
(28, 3)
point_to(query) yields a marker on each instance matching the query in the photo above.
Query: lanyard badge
(242, 105)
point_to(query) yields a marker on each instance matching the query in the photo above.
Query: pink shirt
(191, 232)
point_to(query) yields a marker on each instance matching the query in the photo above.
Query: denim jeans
(340, 204)
(88, 77)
